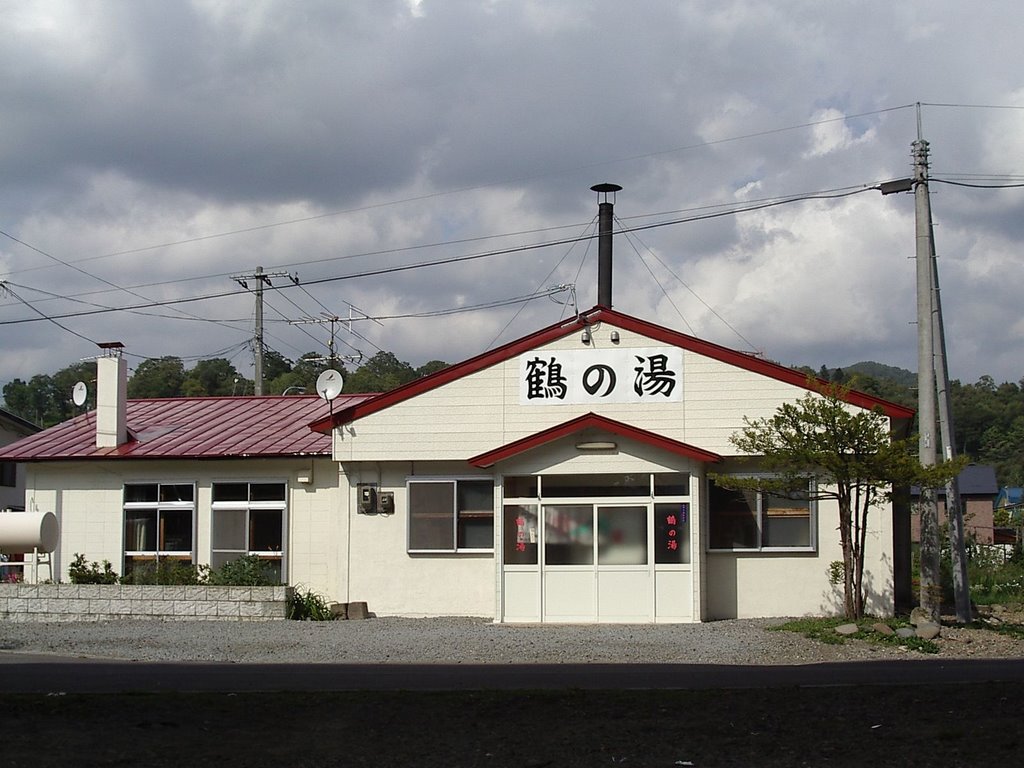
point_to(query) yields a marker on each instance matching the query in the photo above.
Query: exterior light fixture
(892, 187)
(614, 337)
(585, 337)
(596, 445)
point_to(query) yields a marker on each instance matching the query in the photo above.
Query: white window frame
(454, 482)
(248, 507)
(158, 507)
(812, 508)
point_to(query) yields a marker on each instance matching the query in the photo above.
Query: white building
(559, 478)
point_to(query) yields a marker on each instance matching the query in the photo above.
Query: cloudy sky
(408, 158)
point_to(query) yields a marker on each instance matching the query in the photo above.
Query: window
(159, 519)
(757, 520)
(451, 515)
(8, 474)
(672, 534)
(520, 534)
(249, 519)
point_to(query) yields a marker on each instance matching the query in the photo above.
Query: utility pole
(261, 279)
(931, 586)
(954, 506)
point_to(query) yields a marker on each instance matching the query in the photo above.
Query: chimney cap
(111, 348)
(606, 188)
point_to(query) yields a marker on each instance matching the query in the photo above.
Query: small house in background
(978, 491)
(12, 474)
(1009, 511)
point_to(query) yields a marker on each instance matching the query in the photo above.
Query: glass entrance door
(596, 563)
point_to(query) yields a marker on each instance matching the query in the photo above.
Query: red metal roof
(345, 415)
(193, 428)
(591, 421)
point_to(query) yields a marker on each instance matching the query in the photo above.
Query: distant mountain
(900, 376)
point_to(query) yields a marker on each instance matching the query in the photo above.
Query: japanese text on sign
(601, 376)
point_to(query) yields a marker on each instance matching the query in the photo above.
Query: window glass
(583, 486)
(569, 534)
(622, 535)
(786, 521)
(671, 533)
(176, 492)
(520, 534)
(230, 491)
(140, 493)
(475, 528)
(140, 530)
(265, 530)
(229, 530)
(672, 484)
(8, 474)
(733, 518)
(266, 491)
(176, 530)
(432, 516)
(520, 487)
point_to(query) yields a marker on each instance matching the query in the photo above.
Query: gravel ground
(464, 640)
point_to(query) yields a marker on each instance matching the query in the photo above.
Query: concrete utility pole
(931, 586)
(954, 506)
(261, 278)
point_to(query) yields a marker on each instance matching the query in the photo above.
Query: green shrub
(170, 572)
(245, 571)
(82, 572)
(306, 605)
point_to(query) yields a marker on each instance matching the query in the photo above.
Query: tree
(380, 373)
(211, 378)
(850, 456)
(430, 367)
(157, 377)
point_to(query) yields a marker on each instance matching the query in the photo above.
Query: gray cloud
(135, 124)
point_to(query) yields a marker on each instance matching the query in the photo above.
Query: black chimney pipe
(604, 243)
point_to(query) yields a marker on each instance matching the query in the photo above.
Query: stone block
(338, 610)
(98, 607)
(183, 608)
(229, 609)
(17, 605)
(204, 608)
(357, 611)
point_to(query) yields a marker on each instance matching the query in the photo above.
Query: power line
(474, 188)
(739, 208)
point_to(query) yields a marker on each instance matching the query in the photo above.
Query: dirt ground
(873, 725)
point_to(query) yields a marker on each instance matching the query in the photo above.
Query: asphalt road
(27, 673)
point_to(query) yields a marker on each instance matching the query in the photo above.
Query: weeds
(824, 631)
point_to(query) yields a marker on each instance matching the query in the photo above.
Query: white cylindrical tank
(26, 531)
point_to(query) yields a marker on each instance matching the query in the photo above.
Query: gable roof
(591, 421)
(564, 328)
(973, 480)
(15, 423)
(192, 428)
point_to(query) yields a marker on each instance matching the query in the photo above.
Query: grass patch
(823, 630)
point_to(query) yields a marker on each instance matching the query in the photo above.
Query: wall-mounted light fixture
(614, 337)
(585, 337)
(596, 445)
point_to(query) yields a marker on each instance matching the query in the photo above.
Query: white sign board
(592, 376)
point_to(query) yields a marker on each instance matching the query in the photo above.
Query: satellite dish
(329, 384)
(79, 393)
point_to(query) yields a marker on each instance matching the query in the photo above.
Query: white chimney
(111, 402)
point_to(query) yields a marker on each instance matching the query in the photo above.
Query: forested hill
(989, 417)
